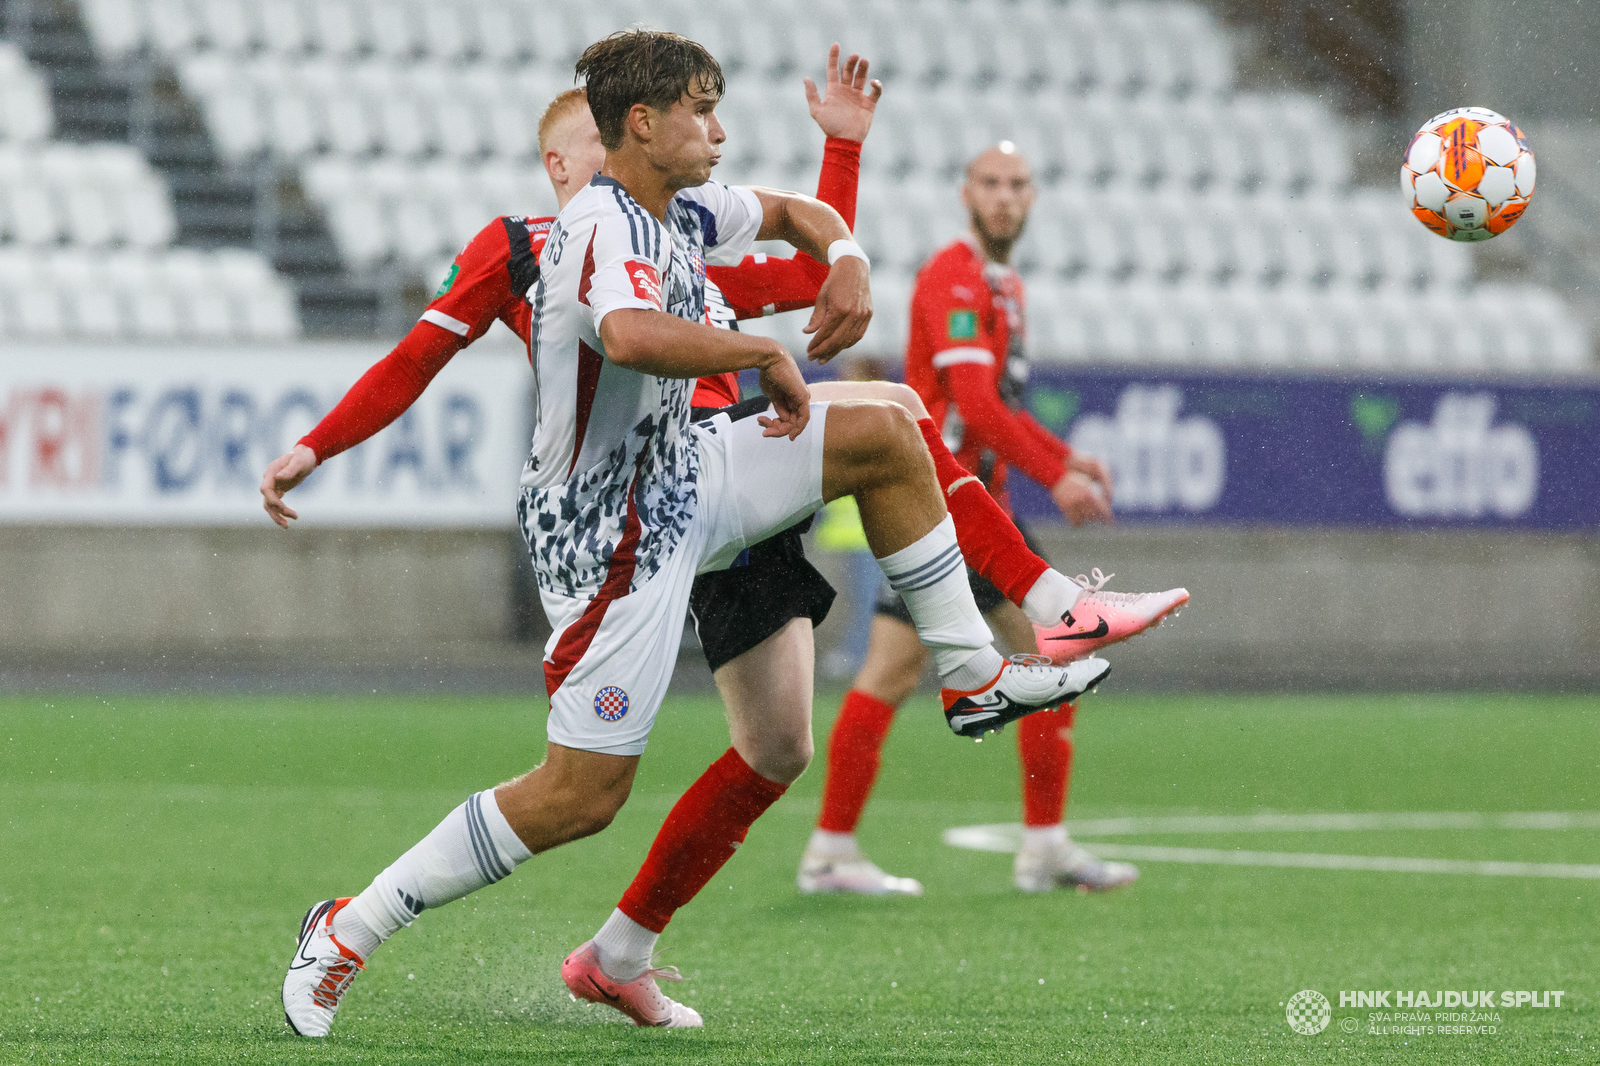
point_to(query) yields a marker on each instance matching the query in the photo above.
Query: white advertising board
(144, 436)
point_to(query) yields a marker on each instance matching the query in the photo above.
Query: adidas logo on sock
(412, 905)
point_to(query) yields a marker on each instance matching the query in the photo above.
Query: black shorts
(983, 591)
(771, 583)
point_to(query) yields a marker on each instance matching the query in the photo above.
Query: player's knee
(890, 431)
(784, 759)
(595, 809)
(891, 681)
(905, 396)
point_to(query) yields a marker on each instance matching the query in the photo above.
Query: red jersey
(966, 357)
(491, 279)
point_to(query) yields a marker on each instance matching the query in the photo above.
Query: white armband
(839, 249)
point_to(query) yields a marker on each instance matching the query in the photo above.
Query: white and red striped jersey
(602, 429)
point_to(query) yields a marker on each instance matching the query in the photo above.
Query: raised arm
(844, 303)
(764, 285)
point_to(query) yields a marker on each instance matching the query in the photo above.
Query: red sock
(704, 828)
(1044, 740)
(988, 538)
(853, 749)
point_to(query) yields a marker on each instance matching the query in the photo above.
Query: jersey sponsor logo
(646, 281)
(962, 325)
(449, 280)
(611, 703)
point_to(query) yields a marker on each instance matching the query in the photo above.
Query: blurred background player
(966, 359)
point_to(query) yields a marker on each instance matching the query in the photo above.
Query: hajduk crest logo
(646, 281)
(1308, 1012)
(611, 703)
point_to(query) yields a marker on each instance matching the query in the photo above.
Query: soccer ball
(1468, 174)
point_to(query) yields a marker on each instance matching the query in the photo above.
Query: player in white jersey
(624, 500)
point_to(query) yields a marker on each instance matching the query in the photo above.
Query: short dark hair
(643, 67)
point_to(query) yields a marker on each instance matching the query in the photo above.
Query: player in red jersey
(966, 359)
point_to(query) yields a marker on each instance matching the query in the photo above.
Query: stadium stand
(1180, 220)
(86, 234)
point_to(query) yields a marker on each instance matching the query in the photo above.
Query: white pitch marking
(1007, 838)
(1383, 863)
(1269, 822)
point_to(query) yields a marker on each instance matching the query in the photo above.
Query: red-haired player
(966, 360)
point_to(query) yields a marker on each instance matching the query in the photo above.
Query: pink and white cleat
(640, 999)
(1101, 617)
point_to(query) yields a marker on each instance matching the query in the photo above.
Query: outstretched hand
(1093, 469)
(846, 110)
(286, 471)
(1081, 499)
(842, 312)
(782, 383)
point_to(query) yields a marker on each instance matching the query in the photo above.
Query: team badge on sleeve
(611, 703)
(963, 325)
(449, 280)
(646, 281)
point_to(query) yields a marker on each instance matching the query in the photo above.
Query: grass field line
(1356, 821)
(1313, 861)
(1007, 838)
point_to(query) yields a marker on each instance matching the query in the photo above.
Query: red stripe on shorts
(577, 637)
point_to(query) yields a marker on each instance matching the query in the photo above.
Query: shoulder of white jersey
(702, 201)
(604, 198)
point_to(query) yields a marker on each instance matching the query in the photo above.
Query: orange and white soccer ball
(1468, 174)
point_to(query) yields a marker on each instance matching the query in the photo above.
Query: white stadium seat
(1179, 220)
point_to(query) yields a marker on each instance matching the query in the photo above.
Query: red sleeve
(481, 287)
(761, 285)
(386, 390)
(716, 390)
(994, 426)
(1044, 436)
(840, 177)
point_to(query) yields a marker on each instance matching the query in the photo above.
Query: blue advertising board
(1284, 450)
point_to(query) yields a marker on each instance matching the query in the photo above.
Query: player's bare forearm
(654, 342)
(803, 221)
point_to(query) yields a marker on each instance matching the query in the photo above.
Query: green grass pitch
(156, 856)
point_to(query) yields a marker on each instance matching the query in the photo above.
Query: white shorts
(621, 646)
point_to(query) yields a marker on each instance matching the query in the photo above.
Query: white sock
(1051, 597)
(1044, 837)
(624, 947)
(474, 846)
(975, 673)
(833, 845)
(931, 578)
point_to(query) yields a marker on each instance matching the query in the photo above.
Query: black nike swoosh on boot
(1099, 631)
(602, 991)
